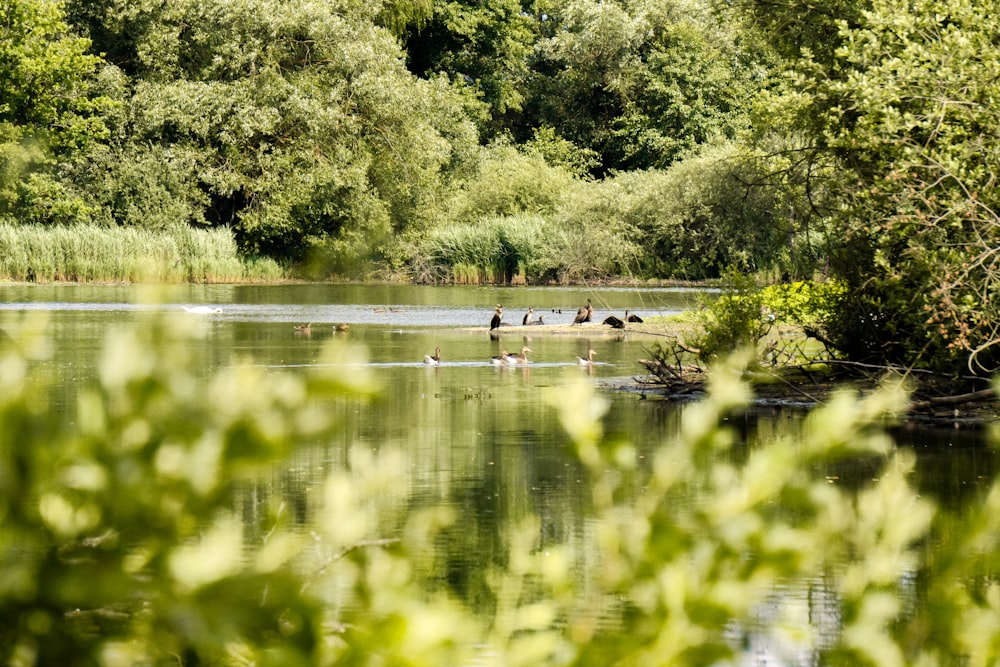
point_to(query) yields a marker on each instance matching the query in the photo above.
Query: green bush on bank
(689, 221)
(122, 541)
(90, 253)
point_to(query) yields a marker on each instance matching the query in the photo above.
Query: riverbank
(789, 385)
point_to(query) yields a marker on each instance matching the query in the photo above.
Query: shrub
(509, 183)
(804, 303)
(734, 321)
(702, 215)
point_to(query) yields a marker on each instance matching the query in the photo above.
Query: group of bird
(507, 359)
(307, 328)
(584, 314)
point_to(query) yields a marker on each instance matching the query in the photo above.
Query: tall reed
(514, 249)
(91, 253)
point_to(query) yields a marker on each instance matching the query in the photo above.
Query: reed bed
(512, 249)
(91, 253)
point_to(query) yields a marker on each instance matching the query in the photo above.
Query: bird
(341, 327)
(521, 358)
(527, 317)
(435, 359)
(497, 314)
(303, 328)
(501, 359)
(202, 310)
(614, 322)
(588, 360)
(584, 314)
(538, 322)
(617, 323)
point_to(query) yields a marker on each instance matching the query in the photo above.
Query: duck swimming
(588, 360)
(501, 359)
(521, 358)
(435, 359)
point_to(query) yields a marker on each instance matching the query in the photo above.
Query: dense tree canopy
(294, 123)
(905, 105)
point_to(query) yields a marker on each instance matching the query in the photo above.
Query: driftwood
(957, 399)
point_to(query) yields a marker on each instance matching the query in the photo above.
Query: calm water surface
(477, 437)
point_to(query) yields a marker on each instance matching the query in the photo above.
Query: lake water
(476, 436)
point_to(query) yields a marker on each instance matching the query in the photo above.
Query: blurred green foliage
(121, 539)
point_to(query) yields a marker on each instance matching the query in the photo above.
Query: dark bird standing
(497, 315)
(619, 323)
(614, 322)
(584, 314)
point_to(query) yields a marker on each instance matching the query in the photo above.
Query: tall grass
(511, 249)
(91, 253)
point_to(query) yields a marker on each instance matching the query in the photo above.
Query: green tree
(916, 121)
(45, 71)
(295, 124)
(641, 83)
(480, 44)
(135, 532)
(893, 104)
(48, 110)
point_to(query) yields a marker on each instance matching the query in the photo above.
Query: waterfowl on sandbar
(588, 360)
(584, 314)
(521, 358)
(435, 359)
(538, 322)
(497, 316)
(501, 359)
(527, 317)
(619, 323)
(614, 322)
